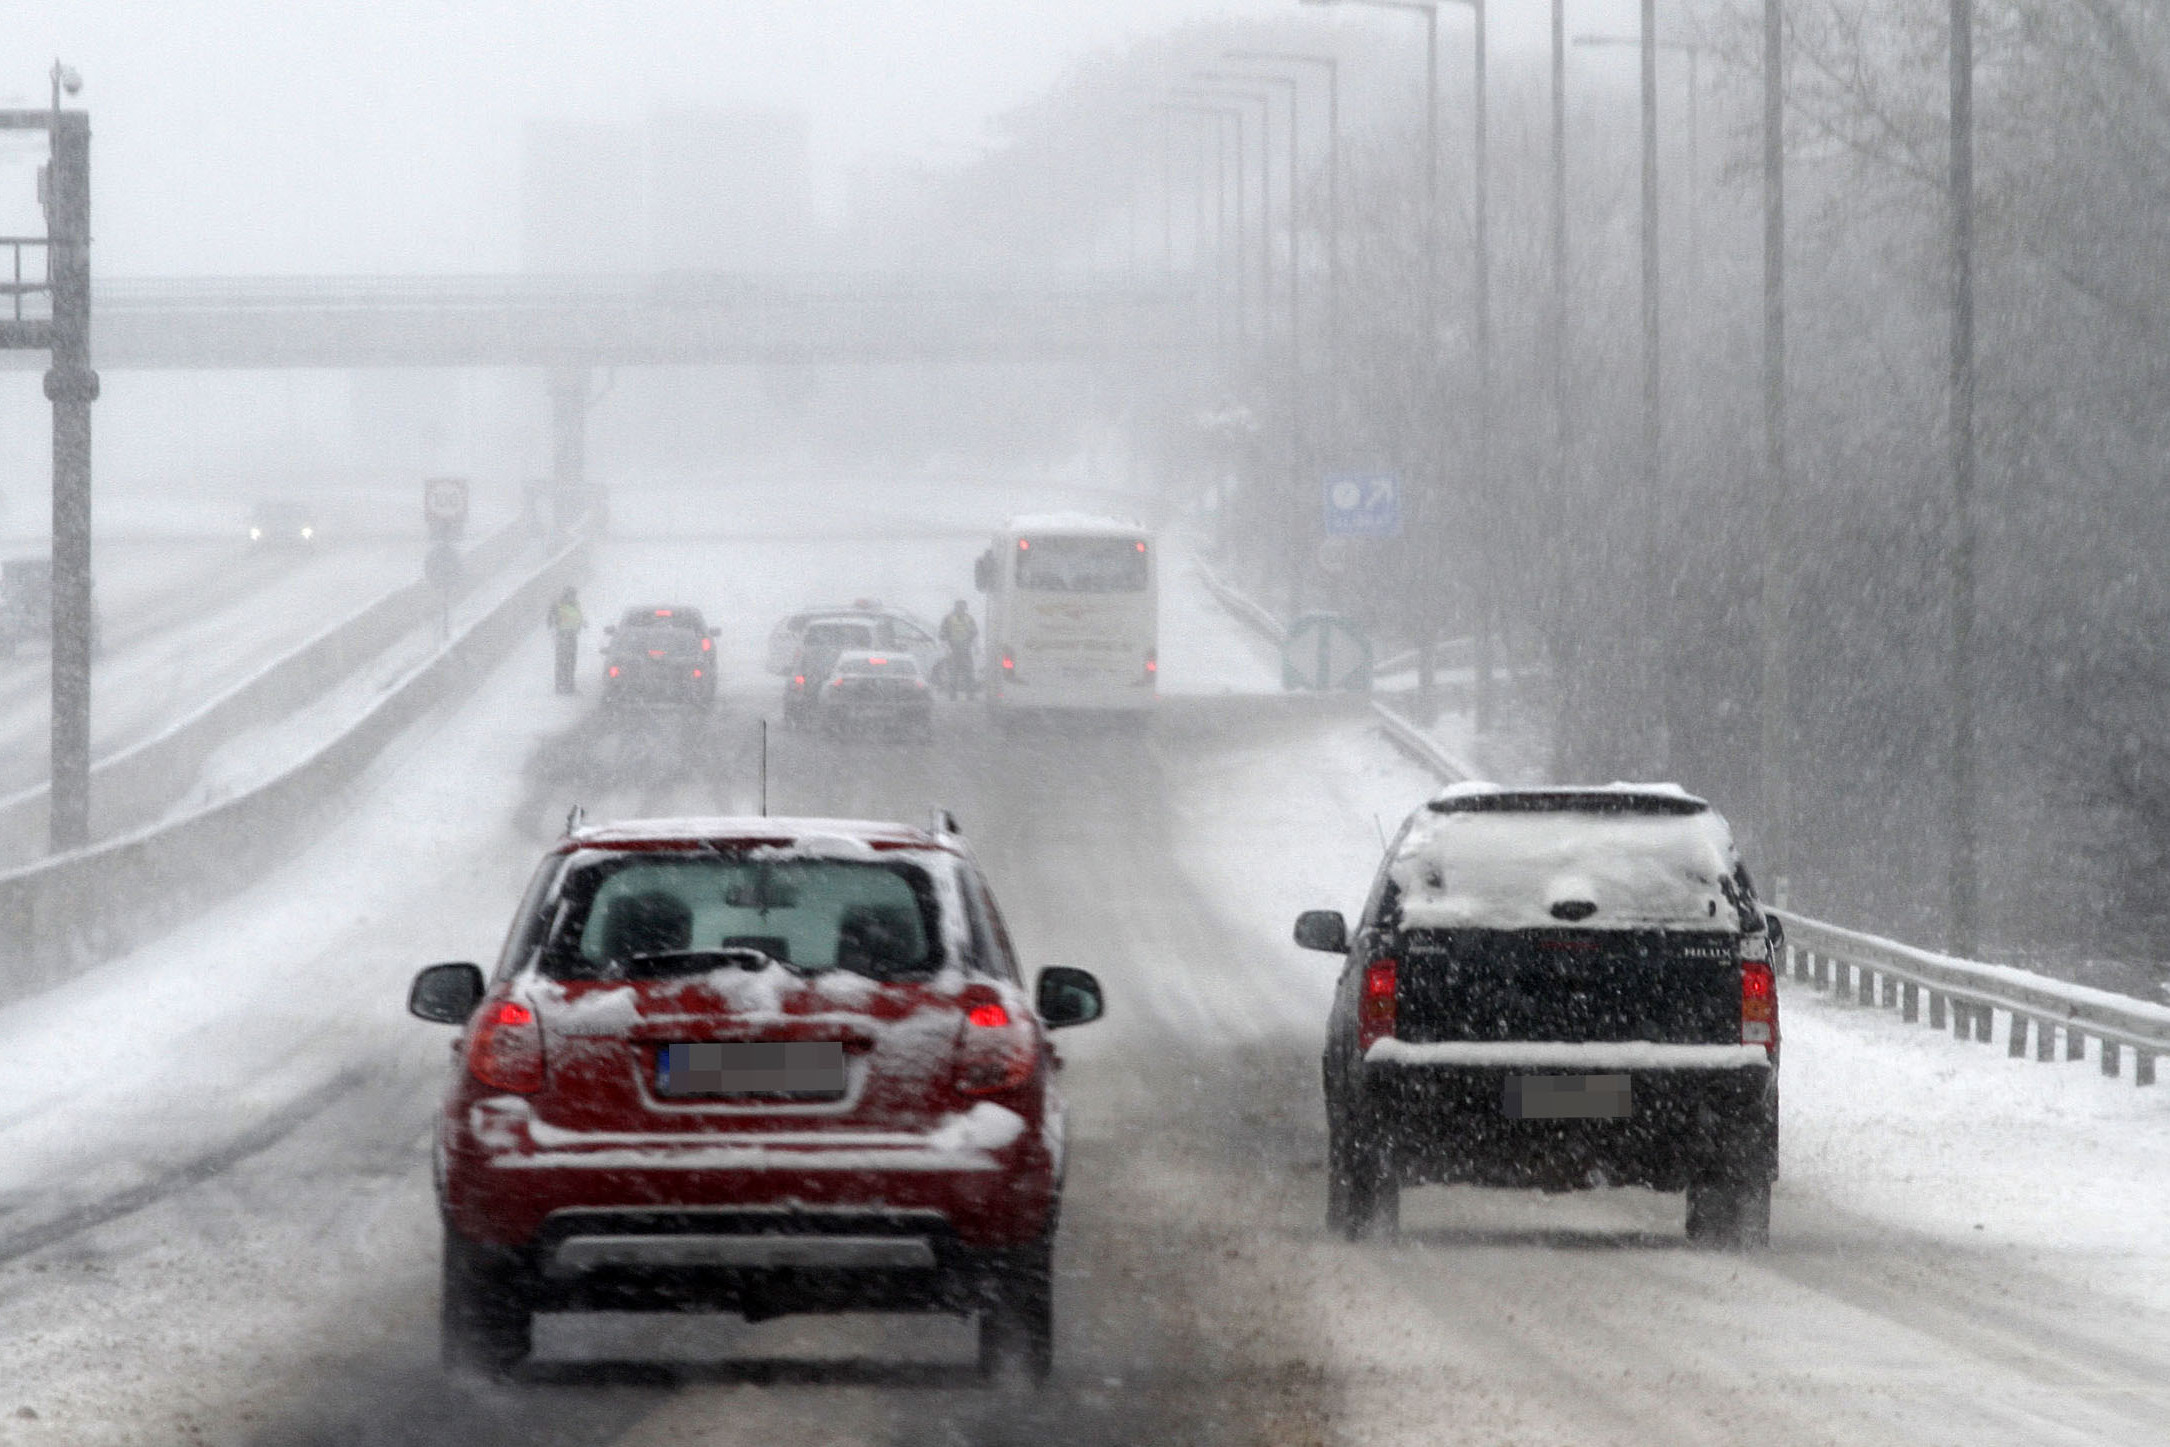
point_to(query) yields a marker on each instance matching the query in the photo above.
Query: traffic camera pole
(71, 386)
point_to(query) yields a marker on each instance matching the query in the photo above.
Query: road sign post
(1361, 504)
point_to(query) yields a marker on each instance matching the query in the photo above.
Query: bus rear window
(1081, 565)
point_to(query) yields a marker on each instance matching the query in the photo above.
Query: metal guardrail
(1967, 994)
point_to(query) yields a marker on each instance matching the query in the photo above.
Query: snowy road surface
(215, 1215)
(183, 622)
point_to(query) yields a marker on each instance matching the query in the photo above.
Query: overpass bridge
(570, 326)
(584, 322)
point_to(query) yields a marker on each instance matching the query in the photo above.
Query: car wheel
(486, 1322)
(1729, 1213)
(1363, 1192)
(1017, 1325)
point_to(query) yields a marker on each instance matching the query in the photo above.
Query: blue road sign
(1361, 504)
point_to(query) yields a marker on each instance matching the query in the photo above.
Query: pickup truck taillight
(1759, 1005)
(1375, 1005)
(506, 1052)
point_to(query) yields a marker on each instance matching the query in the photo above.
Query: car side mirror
(610, 627)
(446, 994)
(983, 571)
(1066, 997)
(1776, 929)
(1323, 929)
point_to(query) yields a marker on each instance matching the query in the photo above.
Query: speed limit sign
(444, 499)
(444, 506)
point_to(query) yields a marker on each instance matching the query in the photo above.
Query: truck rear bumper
(1654, 1125)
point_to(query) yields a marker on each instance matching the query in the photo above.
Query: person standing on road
(565, 619)
(960, 633)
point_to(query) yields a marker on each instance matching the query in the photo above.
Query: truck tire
(1730, 1213)
(1363, 1193)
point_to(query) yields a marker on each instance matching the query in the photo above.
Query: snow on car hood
(1464, 870)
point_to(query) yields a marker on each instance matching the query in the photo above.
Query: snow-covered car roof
(1071, 522)
(1621, 856)
(753, 831)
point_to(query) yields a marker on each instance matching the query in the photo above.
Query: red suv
(753, 1065)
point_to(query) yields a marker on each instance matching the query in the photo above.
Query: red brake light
(655, 653)
(1141, 547)
(663, 612)
(506, 1052)
(1009, 664)
(696, 673)
(707, 644)
(798, 680)
(1023, 546)
(877, 662)
(999, 1051)
(614, 670)
(1375, 1006)
(1152, 657)
(1759, 1005)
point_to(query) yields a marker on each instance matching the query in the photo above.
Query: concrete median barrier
(63, 914)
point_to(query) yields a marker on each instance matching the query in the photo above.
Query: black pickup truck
(1559, 989)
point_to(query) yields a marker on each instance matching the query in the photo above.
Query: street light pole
(1962, 541)
(1777, 579)
(1428, 306)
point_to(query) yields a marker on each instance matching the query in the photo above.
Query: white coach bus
(1073, 615)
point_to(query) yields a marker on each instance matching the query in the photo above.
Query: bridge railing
(1870, 970)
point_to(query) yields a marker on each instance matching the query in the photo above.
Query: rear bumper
(762, 1262)
(1445, 1115)
(991, 1182)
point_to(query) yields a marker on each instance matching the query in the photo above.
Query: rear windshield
(672, 640)
(839, 636)
(899, 667)
(1081, 565)
(624, 918)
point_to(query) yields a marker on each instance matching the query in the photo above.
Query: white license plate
(777, 1070)
(1568, 1097)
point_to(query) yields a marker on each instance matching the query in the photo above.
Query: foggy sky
(300, 136)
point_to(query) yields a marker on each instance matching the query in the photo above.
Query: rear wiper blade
(743, 956)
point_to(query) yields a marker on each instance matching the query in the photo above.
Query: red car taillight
(506, 1052)
(614, 670)
(998, 1052)
(1009, 664)
(697, 673)
(707, 645)
(1152, 662)
(1375, 1006)
(1759, 1005)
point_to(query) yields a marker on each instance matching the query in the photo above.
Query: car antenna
(574, 818)
(764, 768)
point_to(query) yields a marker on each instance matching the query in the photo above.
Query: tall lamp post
(1332, 66)
(1962, 542)
(1221, 115)
(1428, 301)
(1295, 512)
(1264, 101)
(1652, 610)
(1776, 784)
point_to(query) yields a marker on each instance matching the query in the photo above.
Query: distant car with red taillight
(660, 653)
(1556, 988)
(753, 1065)
(876, 693)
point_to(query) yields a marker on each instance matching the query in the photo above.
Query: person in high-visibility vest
(565, 620)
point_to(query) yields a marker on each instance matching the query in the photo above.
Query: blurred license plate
(791, 1070)
(1568, 1097)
